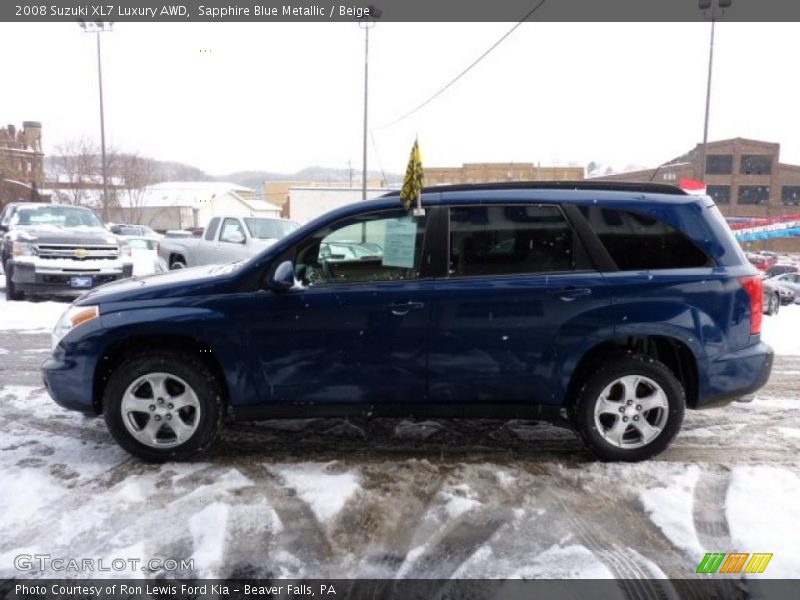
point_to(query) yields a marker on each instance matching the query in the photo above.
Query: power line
(465, 71)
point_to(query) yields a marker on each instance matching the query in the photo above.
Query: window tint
(211, 230)
(385, 246)
(790, 195)
(721, 194)
(719, 164)
(756, 164)
(232, 231)
(753, 194)
(504, 240)
(638, 242)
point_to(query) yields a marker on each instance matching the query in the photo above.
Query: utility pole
(98, 27)
(705, 5)
(367, 23)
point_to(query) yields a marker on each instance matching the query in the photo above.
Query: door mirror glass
(282, 279)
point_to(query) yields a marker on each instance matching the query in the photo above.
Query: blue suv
(611, 307)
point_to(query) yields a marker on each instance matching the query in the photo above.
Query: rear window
(506, 240)
(639, 242)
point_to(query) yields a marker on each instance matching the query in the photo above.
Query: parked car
(53, 249)
(775, 296)
(789, 281)
(780, 268)
(226, 239)
(138, 231)
(605, 306)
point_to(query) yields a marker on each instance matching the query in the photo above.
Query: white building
(182, 204)
(308, 203)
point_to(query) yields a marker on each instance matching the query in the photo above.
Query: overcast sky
(283, 96)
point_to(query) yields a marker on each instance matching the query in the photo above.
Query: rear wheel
(177, 263)
(630, 409)
(12, 293)
(773, 304)
(163, 406)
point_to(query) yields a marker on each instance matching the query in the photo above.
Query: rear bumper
(36, 279)
(737, 375)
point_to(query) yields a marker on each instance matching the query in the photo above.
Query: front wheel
(163, 406)
(773, 304)
(12, 293)
(630, 409)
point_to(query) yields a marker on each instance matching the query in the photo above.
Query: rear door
(518, 293)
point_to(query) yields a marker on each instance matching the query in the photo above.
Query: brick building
(745, 177)
(496, 172)
(21, 162)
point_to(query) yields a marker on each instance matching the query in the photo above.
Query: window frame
(583, 264)
(222, 228)
(425, 271)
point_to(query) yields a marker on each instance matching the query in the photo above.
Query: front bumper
(737, 375)
(35, 278)
(68, 382)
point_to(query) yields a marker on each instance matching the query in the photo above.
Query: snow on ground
(782, 331)
(763, 509)
(333, 498)
(29, 317)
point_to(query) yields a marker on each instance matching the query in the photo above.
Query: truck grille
(75, 252)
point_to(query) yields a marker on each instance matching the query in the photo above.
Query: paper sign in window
(400, 242)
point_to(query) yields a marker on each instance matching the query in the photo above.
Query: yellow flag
(412, 184)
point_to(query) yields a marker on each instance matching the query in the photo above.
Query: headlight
(125, 249)
(23, 249)
(73, 317)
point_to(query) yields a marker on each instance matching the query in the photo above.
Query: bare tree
(75, 169)
(135, 173)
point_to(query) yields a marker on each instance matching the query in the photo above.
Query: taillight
(754, 286)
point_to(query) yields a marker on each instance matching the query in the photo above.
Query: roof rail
(609, 186)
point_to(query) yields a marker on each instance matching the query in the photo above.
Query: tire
(644, 433)
(132, 410)
(12, 293)
(177, 264)
(773, 304)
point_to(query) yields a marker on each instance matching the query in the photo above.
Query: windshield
(269, 229)
(58, 216)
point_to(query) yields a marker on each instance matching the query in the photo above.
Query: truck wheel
(163, 406)
(12, 293)
(630, 409)
(177, 264)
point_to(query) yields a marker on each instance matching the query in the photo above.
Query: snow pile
(780, 331)
(325, 493)
(671, 508)
(763, 514)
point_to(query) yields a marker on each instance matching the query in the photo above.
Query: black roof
(605, 186)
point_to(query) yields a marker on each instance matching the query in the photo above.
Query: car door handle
(568, 294)
(403, 308)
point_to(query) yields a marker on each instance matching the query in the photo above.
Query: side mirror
(282, 279)
(235, 237)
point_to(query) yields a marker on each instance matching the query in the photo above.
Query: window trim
(222, 228)
(424, 273)
(577, 239)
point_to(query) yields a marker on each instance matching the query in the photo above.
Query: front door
(356, 329)
(518, 293)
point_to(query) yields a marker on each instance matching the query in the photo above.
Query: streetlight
(367, 23)
(705, 5)
(98, 27)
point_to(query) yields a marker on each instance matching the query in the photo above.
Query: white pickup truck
(225, 239)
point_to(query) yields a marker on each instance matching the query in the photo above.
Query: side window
(211, 230)
(385, 246)
(232, 231)
(505, 240)
(637, 242)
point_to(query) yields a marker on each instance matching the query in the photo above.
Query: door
(356, 328)
(517, 295)
(231, 245)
